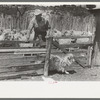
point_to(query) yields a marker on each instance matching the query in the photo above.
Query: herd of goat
(73, 33)
(22, 35)
(17, 35)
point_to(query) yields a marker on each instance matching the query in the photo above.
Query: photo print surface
(58, 42)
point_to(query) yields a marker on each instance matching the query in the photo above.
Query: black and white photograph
(50, 42)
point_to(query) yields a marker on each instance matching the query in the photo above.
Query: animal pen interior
(72, 31)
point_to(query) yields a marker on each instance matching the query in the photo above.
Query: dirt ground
(76, 74)
(81, 74)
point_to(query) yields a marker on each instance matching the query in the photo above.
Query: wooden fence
(16, 62)
(87, 51)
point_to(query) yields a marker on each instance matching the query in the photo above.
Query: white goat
(60, 64)
(23, 35)
(57, 33)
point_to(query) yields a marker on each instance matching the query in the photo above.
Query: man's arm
(30, 27)
(48, 25)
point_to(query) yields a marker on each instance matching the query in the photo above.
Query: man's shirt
(42, 25)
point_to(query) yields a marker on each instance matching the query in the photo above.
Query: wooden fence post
(89, 54)
(47, 59)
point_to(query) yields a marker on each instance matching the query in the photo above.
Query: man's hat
(38, 12)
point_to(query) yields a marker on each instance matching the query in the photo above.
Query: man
(40, 25)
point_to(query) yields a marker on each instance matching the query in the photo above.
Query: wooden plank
(19, 69)
(23, 50)
(90, 57)
(11, 47)
(47, 59)
(89, 54)
(67, 37)
(20, 57)
(13, 75)
(13, 57)
(80, 63)
(58, 46)
(76, 45)
(31, 52)
(80, 51)
(9, 54)
(13, 41)
(6, 56)
(18, 62)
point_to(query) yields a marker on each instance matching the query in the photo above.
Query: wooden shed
(96, 51)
